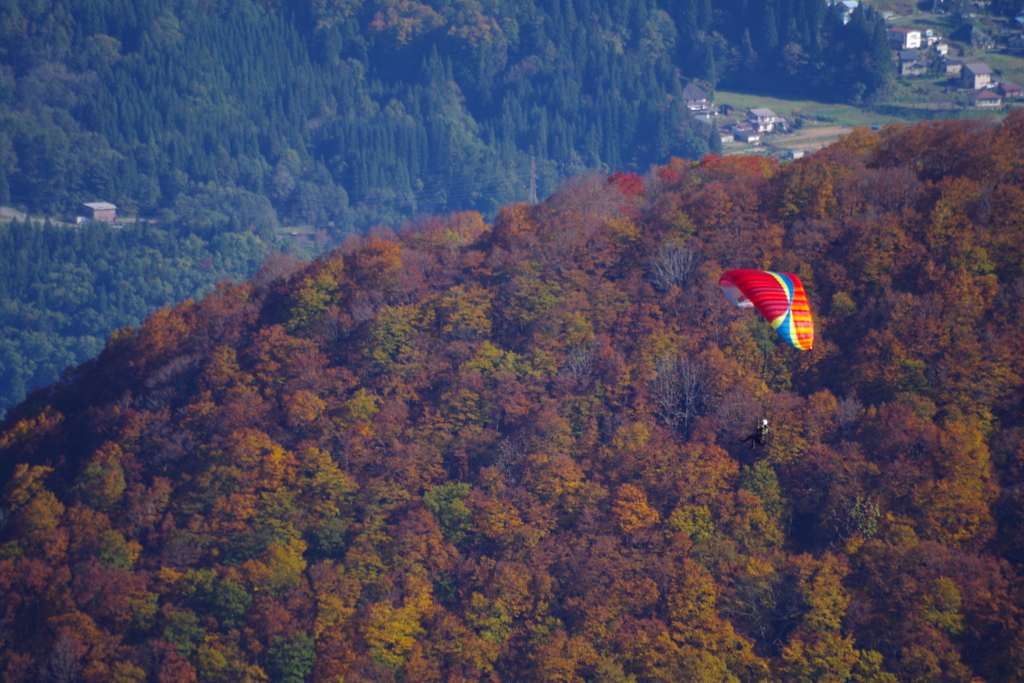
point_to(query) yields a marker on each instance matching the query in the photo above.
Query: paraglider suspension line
(765, 341)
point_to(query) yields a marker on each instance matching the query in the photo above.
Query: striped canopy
(779, 297)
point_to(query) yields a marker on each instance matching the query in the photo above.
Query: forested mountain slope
(346, 113)
(64, 290)
(511, 451)
(224, 119)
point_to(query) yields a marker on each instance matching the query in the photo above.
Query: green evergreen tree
(291, 659)
(770, 29)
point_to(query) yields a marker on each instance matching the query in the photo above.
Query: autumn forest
(462, 451)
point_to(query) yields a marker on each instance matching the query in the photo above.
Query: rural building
(985, 98)
(929, 37)
(909, 66)
(904, 38)
(748, 135)
(726, 135)
(103, 212)
(973, 36)
(941, 49)
(765, 120)
(1009, 91)
(8, 214)
(976, 75)
(696, 98)
(845, 9)
(950, 66)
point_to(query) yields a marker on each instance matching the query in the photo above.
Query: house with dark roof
(948, 65)
(747, 134)
(973, 36)
(696, 98)
(909, 66)
(985, 98)
(1009, 91)
(976, 75)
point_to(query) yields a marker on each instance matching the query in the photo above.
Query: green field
(910, 100)
(1007, 67)
(813, 113)
(899, 7)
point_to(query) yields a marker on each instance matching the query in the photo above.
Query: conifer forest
(347, 113)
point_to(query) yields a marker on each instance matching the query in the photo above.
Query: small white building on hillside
(765, 120)
(901, 38)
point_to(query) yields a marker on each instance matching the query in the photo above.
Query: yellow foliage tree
(632, 510)
(391, 631)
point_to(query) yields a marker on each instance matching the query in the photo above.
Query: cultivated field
(810, 139)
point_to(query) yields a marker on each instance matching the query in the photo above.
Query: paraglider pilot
(760, 435)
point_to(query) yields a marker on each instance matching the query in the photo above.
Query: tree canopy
(511, 450)
(342, 114)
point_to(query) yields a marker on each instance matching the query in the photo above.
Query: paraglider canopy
(779, 297)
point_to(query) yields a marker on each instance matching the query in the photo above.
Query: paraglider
(779, 297)
(760, 435)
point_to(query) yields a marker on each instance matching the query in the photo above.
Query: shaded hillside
(341, 114)
(511, 451)
(338, 115)
(63, 290)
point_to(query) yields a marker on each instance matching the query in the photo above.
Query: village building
(696, 98)
(901, 38)
(973, 36)
(765, 120)
(845, 9)
(746, 134)
(1009, 91)
(909, 66)
(948, 65)
(102, 212)
(985, 99)
(976, 75)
